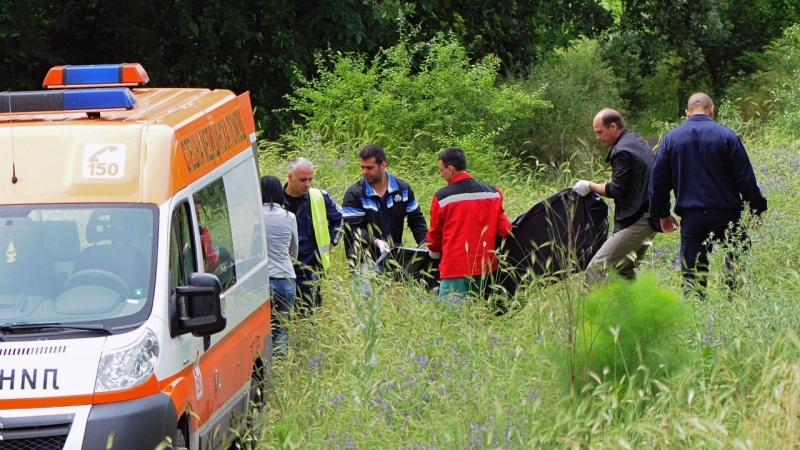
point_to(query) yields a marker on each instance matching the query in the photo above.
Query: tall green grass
(397, 369)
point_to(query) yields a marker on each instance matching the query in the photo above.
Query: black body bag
(556, 236)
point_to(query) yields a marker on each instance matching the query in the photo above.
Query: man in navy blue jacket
(376, 208)
(319, 227)
(708, 168)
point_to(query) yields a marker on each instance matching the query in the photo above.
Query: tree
(520, 33)
(705, 43)
(260, 46)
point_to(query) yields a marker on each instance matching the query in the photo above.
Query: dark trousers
(700, 230)
(309, 296)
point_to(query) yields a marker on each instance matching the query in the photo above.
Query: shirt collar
(700, 117)
(610, 150)
(460, 176)
(286, 194)
(393, 187)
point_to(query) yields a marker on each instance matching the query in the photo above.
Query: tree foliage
(577, 83)
(266, 46)
(706, 44)
(243, 45)
(519, 33)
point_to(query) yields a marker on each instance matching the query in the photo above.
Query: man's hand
(669, 224)
(581, 188)
(382, 245)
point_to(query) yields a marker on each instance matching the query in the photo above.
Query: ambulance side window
(214, 229)
(181, 246)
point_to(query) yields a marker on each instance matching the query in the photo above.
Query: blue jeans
(283, 296)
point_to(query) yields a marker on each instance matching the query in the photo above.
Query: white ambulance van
(134, 288)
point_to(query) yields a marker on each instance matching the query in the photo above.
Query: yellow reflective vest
(319, 219)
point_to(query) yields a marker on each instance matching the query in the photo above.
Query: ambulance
(134, 288)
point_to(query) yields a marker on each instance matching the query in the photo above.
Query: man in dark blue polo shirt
(708, 168)
(376, 208)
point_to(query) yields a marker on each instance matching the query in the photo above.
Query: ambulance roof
(142, 155)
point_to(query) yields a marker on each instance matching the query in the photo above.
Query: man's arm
(660, 183)
(620, 176)
(434, 236)
(355, 231)
(745, 177)
(335, 219)
(503, 224)
(293, 243)
(416, 220)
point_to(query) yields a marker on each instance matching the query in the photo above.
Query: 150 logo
(104, 161)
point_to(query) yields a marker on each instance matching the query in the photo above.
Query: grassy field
(398, 369)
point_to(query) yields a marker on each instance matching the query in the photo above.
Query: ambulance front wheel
(180, 440)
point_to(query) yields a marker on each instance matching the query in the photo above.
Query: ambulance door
(185, 348)
(229, 362)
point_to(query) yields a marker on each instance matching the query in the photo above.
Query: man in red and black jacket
(466, 218)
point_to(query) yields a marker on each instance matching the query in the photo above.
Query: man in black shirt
(631, 161)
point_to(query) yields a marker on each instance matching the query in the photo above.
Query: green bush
(622, 325)
(418, 97)
(578, 84)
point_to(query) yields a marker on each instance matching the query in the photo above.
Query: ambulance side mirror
(204, 313)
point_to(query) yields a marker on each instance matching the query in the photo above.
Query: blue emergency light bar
(55, 101)
(106, 75)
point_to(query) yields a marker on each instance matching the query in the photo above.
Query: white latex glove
(581, 188)
(383, 246)
(435, 255)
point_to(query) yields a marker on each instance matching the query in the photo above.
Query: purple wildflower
(348, 441)
(337, 400)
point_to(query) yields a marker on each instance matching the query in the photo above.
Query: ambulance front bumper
(134, 424)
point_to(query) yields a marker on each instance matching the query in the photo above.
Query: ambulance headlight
(128, 367)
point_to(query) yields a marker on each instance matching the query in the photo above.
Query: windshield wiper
(21, 328)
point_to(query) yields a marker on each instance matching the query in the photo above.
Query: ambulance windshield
(76, 264)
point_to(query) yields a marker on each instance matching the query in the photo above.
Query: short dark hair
(610, 116)
(271, 190)
(455, 157)
(373, 151)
